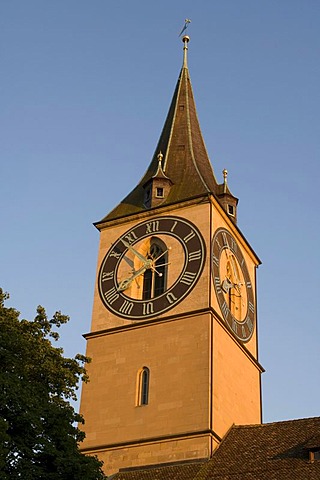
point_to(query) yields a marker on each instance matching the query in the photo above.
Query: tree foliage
(39, 436)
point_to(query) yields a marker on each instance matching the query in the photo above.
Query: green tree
(39, 436)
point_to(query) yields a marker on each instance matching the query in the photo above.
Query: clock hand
(231, 260)
(238, 293)
(226, 285)
(134, 251)
(153, 268)
(238, 288)
(232, 279)
(153, 263)
(147, 264)
(235, 270)
(129, 262)
(163, 253)
(124, 284)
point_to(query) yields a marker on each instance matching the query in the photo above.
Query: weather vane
(185, 26)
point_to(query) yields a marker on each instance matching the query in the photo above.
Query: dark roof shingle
(265, 452)
(273, 451)
(178, 471)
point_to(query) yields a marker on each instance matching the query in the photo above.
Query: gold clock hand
(134, 251)
(129, 262)
(234, 268)
(163, 253)
(226, 285)
(153, 268)
(124, 284)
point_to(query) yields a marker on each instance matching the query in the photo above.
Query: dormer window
(157, 188)
(231, 210)
(314, 454)
(159, 192)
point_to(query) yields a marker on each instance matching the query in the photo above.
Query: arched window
(154, 279)
(143, 386)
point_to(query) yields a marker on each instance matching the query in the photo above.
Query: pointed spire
(186, 161)
(184, 157)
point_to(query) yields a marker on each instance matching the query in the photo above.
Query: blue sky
(85, 88)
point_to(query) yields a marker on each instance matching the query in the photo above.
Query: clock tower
(173, 338)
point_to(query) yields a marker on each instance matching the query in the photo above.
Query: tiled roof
(274, 451)
(168, 472)
(265, 452)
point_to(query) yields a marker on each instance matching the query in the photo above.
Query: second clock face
(233, 285)
(151, 267)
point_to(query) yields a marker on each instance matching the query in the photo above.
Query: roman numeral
(173, 226)
(126, 307)
(130, 238)
(251, 307)
(115, 254)
(107, 276)
(217, 284)
(225, 240)
(147, 308)
(250, 324)
(171, 298)
(152, 227)
(215, 260)
(234, 326)
(233, 245)
(194, 256)
(111, 295)
(188, 237)
(225, 309)
(188, 278)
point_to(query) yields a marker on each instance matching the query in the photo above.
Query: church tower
(173, 339)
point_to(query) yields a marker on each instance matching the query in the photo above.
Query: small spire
(185, 40)
(160, 157)
(160, 172)
(225, 175)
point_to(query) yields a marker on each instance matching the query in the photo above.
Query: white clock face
(151, 267)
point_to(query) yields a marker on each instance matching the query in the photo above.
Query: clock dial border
(242, 329)
(194, 250)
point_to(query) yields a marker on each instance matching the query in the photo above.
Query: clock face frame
(232, 285)
(191, 247)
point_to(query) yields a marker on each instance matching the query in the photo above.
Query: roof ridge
(177, 463)
(176, 95)
(190, 133)
(296, 420)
